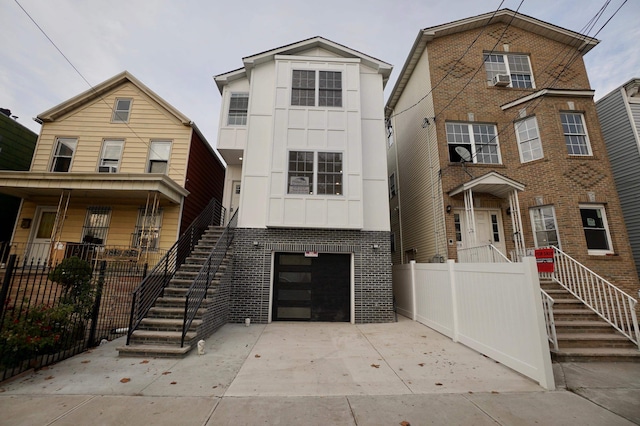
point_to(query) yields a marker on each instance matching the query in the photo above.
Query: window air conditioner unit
(501, 80)
(107, 169)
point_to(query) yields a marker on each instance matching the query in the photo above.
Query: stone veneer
(252, 266)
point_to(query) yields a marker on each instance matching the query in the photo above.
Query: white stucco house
(302, 132)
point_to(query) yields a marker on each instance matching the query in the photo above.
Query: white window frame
(237, 116)
(528, 141)
(471, 134)
(576, 133)
(317, 89)
(603, 212)
(121, 115)
(312, 175)
(507, 69)
(109, 162)
(155, 155)
(539, 209)
(71, 143)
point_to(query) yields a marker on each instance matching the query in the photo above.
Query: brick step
(574, 314)
(166, 324)
(182, 292)
(157, 351)
(169, 338)
(171, 312)
(186, 283)
(596, 355)
(583, 326)
(593, 340)
(175, 302)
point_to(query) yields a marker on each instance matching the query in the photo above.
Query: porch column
(516, 222)
(470, 216)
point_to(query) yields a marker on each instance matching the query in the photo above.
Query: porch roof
(31, 185)
(492, 183)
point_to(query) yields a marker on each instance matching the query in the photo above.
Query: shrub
(74, 274)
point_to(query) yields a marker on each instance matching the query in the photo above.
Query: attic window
(316, 88)
(121, 111)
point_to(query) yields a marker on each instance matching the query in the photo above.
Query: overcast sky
(176, 47)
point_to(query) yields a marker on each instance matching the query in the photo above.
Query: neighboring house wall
(619, 116)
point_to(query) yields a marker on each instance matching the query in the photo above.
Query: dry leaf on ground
(125, 380)
(375, 365)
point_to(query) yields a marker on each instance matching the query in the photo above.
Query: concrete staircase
(582, 335)
(160, 332)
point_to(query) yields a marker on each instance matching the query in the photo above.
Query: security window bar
(121, 111)
(330, 173)
(238, 107)
(110, 156)
(63, 154)
(480, 140)
(575, 134)
(147, 231)
(159, 152)
(529, 142)
(330, 89)
(517, 67)
(303, 88)
(300, 172)
(596, 229)
(545, 229)
(96, 225)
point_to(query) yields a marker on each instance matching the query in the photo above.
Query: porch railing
(153, 285)
(605, 299)
(547, 309)
(198, 290)
(481, 254)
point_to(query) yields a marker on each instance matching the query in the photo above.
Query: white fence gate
(493, 308)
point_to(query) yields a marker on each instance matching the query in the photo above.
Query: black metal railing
(145, 296)
(198, 290)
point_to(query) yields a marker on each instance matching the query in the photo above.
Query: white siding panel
(253, 202)
(316, 211)
(275, 210)
(317, 119)
(376, 206)
(294, 211)
(337, 212)
(336, 139)
(336, 120)
(317, 139)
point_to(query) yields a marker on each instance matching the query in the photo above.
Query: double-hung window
(121, 111)
(96, 225)
(159, 152)
(575, 133)
(315, 173)
(516, 67)
(110, 156)
(528, 137)
(479, 140)
(238, 107)
(596, 229)
(545, 228)
(63, 154)
(316, 88)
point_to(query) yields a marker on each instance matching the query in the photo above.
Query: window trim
(473, 142)
(605, 222)
(230, 110)
(533, 226)
(149, 159)
(116, 116)
(505, 56)
(314, 174)
(102, 154)
(317, 89)
(55, 156)
(520, 142)
(586, 133)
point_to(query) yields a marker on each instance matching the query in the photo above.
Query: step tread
(168, 321)
(600, 351)
(591, 336)
(162, 334)
(152, 349)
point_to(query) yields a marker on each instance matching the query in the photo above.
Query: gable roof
(583, 42)
(99, 90)
(291, 49)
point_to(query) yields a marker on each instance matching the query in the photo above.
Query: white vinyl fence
(493, 308)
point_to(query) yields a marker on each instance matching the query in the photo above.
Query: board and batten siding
(617, 116)
(91, 124)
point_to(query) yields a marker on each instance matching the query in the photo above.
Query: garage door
(311, 288)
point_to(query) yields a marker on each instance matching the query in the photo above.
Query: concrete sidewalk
(317, 373)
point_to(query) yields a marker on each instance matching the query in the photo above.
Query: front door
(235, 196)
(40, 243)
(488, 229)
(312, 288)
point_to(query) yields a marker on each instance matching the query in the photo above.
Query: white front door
(235, 197)
(40, 240)
(488, 229)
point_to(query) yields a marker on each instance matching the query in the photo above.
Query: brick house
(302, 133)
(493, 138)
(619, 114)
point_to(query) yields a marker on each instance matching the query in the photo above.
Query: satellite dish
(464, 154)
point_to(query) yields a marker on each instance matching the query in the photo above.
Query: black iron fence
(51, 311)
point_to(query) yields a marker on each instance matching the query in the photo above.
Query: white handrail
(482, 254)
(547, 307)
(612, 304)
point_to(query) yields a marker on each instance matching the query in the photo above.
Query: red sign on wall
(544, 259)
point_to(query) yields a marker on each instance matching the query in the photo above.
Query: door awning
(492, 183)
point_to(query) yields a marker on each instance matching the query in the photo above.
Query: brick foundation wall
(253, 269)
